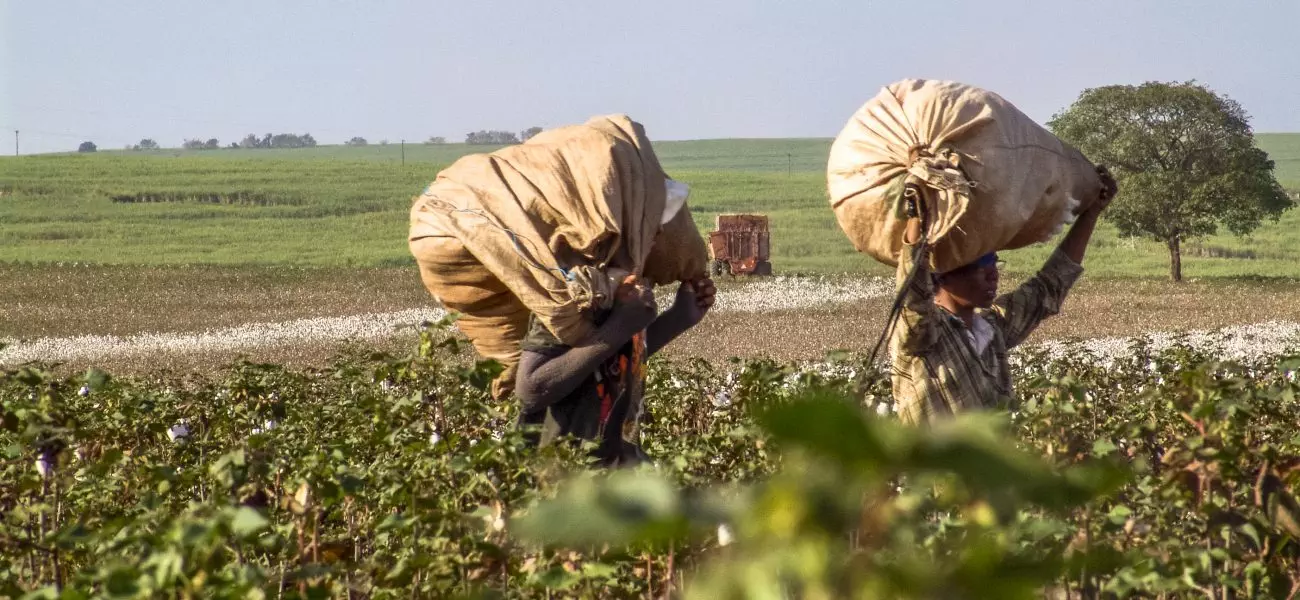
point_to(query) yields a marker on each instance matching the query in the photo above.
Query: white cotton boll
(725, 537)
(884, 408)
(722, 399)
(386, 385)
(45, 465)
(434, 438)
(84, 391)
(178, 432)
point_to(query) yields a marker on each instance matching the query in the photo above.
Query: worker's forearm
(665, 329)
(545, 380)
(913, 231)
(1076, 240)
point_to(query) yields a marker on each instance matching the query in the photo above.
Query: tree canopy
(1185, 159)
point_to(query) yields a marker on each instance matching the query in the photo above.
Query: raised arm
(1076, 241)
(1021, 311)
(693, 301)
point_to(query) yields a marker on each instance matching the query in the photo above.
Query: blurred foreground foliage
(1165, 474)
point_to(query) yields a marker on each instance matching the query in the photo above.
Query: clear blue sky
(115, 72)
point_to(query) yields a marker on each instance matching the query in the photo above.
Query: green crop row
(1163, 474)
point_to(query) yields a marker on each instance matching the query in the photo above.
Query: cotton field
(770, 295)
(778, 293)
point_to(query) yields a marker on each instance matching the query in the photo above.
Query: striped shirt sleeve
(1018, 313)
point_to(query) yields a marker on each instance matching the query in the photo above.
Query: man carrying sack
(594, 390)
(549, 250)
(950, 344)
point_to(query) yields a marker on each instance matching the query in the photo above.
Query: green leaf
(122, 582)
(596, 570)
(1120, 514)
(1102, 447)
(247, 521)
(556, 578)
(622, 508)
(167, 565)
(830, 427)
(95, 379)
(45, 593)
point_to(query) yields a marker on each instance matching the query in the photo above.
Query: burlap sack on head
(678, 252)
(992, 177)
(548, 227)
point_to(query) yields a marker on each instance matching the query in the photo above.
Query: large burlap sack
(993, 178)
(550, 227)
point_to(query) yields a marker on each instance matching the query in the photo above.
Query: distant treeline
(293, 140)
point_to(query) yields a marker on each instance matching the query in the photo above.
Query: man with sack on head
(595, 390)
(950, 344)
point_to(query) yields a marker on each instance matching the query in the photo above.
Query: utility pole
(403, 153)
(789, 169)
(15, 142)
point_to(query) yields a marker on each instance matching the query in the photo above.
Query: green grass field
(347, 206)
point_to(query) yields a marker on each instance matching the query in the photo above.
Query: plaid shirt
(936, 368)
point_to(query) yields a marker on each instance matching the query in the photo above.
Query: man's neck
(965, 313)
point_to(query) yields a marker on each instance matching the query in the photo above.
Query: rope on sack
(914, 207)
(912, 198)
(943, 172)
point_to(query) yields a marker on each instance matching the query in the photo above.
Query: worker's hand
(915, 210)
(634, 304)
(694, 299)
(1108, 188)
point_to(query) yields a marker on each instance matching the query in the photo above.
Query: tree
(435, 140)
(147, 144)
(492, 137)
(356, 141)
(528, 133)
(278, 140)
(192, 144)
(1185, 159)
(211, 144)
(87, 147)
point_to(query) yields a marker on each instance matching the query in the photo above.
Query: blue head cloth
(986, 261)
